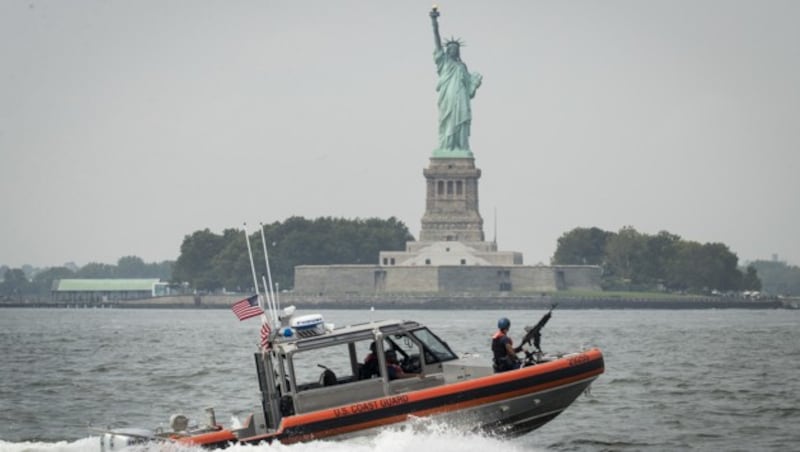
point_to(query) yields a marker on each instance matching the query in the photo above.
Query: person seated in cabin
(505, 355)
(393, 368)
(328, 377)
(370, 366)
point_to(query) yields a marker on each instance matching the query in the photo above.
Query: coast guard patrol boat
(314, 384)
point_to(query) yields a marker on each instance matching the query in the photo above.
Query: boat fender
(125, 437)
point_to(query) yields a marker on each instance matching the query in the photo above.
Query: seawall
(405, 301)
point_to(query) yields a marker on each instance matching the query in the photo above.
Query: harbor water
(674, 380)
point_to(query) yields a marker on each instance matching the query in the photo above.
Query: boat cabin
(315, 367)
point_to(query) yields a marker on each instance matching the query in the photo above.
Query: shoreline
(399, 302)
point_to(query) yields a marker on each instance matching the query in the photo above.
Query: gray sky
(125, 125)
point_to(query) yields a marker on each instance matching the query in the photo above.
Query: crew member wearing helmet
(505, 355)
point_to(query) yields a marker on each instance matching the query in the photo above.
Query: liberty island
(452, 254)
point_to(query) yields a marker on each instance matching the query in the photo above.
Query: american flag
(265, 330)
(247, 308)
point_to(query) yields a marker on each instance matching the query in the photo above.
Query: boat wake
(431, 436)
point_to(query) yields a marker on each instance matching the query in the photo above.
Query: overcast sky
(126, 125)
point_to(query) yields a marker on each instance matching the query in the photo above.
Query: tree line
(632, 260)
(209, 261)
(27, 281)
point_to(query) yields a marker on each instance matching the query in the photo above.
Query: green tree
(15, 283)
(329, 241)
(704, 267)
(681, 273)
(161, 270)
(634, 260)
(625, 256)
(750, 280)
(97, 270)
(195, 264)
(722, 267)
(131, 267)
(233, 264)
(659, 251)
(296, 241)
(44, 279)
(581, 246)
(135, 267)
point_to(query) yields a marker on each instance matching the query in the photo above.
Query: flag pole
(270, 303)
(264, 319)
(252, 266)
(277, 296)
(269, 274)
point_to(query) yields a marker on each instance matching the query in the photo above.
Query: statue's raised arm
(456, 87)
(437, 40)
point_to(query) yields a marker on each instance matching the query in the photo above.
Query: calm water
(675, 380)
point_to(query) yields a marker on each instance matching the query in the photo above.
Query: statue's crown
(454, 41)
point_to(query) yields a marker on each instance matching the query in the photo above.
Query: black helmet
(503, 323)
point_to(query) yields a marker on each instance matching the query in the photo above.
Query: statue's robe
(456, 87)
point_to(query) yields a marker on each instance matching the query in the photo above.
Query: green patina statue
(456, 86)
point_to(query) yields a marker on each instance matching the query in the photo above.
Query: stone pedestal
(451, 202)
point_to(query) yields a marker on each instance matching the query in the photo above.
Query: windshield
(433, 345)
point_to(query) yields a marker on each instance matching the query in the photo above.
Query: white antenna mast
(270, 291)
(252, 265)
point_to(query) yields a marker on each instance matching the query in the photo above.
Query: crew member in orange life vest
(505, 355)
(393, 368)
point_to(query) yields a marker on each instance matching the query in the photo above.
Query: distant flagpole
(269, 275)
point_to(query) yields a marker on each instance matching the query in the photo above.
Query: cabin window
(435, 349)
(407, 350)
(367, 358)
(311, 366)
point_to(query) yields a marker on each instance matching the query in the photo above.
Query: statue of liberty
(456, 86)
